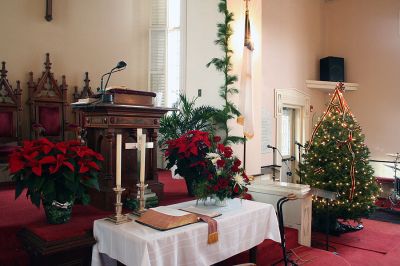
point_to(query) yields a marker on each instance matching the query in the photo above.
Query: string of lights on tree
(337, 159)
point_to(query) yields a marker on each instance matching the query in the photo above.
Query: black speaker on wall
(331, 69)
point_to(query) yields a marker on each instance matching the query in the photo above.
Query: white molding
(327, 86)
(295, 99)
(291, 97)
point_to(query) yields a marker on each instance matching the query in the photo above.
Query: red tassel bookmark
(212, 228)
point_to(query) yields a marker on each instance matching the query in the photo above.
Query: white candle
(118, 162)
(142, 157)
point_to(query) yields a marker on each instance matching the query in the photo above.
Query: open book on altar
(164, 218)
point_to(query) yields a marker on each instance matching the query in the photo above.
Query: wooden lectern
(102, 121)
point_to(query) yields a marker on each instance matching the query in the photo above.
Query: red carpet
(385, 203)
(175, 190)
(377, 244)
(374, 237)
(16, 214)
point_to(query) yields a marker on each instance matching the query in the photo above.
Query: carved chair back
(48, 102)
(10, 116)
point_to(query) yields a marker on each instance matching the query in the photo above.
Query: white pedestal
(297, 213)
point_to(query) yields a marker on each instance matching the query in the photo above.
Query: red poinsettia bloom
(213, 166)
(62, 147)
(82, 151)
(60, 161)
(36, 165)
(85, 165)
(16, 163)
(198, 163)
(45, 145)
(51, 161)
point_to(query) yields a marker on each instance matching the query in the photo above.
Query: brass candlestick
(118, 218)
(142, 201)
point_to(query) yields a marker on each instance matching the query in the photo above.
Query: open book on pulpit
(165, 218)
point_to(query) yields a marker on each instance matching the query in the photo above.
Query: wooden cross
(141, 145)
(49, 10)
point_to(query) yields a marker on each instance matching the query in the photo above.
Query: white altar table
(243, 224)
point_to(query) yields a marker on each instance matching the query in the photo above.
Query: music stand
(328, 195)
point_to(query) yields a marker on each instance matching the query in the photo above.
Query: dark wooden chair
(10, 115)
(86, 92)
(48, 103)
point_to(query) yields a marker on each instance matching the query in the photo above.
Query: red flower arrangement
(207, 165)
(54, 171)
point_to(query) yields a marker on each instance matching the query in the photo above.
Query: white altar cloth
(242, 225)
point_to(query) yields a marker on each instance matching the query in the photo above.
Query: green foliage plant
(224, 65)
(185, 118)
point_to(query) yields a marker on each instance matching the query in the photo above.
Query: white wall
(367, 34)
(291, 38)
(202, 19)
(90, 35)
(287, 36)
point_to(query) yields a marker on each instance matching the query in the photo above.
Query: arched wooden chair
(86, 92)
(10, 115)
(48, 103)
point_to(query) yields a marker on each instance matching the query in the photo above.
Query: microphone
(120, 64)
(271, 147)
(298, 144)
(119, 67)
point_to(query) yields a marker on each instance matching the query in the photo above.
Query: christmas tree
(336, 159)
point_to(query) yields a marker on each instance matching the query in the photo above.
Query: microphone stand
(107, 98)
(299, 146)
(274, 165)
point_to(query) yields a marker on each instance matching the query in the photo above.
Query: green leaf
(19, 187)
(85, 199)
(92, 183)
(48, 188)
(35, 199)
(69, 176)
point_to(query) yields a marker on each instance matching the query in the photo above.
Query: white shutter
(158, 51)
(166, 49)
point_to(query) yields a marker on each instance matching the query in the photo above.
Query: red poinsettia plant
(207, 165)
(54, 171)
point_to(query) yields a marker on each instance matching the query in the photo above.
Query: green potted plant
(55, 174)
(185, 118)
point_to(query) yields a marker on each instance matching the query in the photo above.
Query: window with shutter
(166, 49)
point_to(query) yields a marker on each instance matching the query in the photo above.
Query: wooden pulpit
(102, 121)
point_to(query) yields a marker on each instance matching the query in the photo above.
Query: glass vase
(220, 203)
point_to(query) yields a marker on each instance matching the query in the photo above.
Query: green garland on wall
(224, 65)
